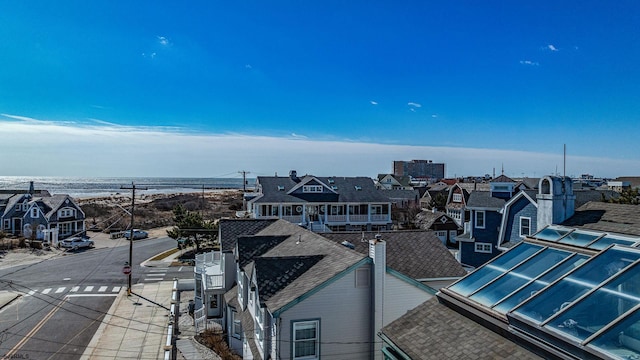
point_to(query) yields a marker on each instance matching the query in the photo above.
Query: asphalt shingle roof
(483, 199)
(250, 247)
(434, 331)
(607, 217)
(348, 189)
(301, 242)
(417, 254)
(276, 273)
(231, 229)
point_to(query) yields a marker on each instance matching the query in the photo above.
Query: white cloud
(434, 115)
(248, 66)
(373, 102)
(552, 48)
(529, 62)
(163, 41)
(108, 150)
(414, 104)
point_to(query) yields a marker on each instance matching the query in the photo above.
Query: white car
(75, 243)
(137, 234)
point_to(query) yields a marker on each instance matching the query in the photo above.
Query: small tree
(191, 229)
(438, 202)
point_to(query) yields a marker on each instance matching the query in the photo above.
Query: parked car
(75, 243)
(137, 234)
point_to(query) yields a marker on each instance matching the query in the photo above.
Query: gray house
(322, 203)
(33, 213)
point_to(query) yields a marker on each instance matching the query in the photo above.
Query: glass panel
(495, 268)
(579, 238)
(601, 307)
(621, 341)
(589, 275)
(546, 279)
(608, 240)
(519, 276)
(551, 234)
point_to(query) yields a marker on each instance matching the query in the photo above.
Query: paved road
(65, 299)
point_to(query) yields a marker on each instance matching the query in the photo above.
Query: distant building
(421, 169)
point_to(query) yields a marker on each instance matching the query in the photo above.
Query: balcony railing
(359, 218)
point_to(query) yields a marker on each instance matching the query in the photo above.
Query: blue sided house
(503, 216)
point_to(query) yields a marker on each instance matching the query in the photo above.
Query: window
(66, 212)
(480, 219)
(363, 278)
(34, 212)
(213, 302)
(236, 325)
(312, 188)
(305, 340)
(483, 247)
(525, 226)
(457, 197)
(7, 224)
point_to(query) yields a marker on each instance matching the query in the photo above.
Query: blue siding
(490, 232)
(521, 208)
(469, 256)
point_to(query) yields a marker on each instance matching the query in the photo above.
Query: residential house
(566, 292)
(298, 294)
(457, 204)
(322, 203)
(432, 192)
(443, 226)
(393, 182)
(33, 214)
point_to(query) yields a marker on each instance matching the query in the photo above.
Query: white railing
(293, 219)
(206, 260)
(336, 218)
(200, 320)
(359, 218)
(215, 281)
(381, 217)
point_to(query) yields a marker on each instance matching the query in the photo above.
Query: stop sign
(126, 269)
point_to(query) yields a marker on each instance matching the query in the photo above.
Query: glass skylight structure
(582, 238)
(587, 306)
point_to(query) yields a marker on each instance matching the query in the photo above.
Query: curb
(10, 301)
(88, 351)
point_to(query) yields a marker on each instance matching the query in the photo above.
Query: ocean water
(96, 187)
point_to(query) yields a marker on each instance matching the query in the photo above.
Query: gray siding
(400, 297)
(521, 208)
(344, 312)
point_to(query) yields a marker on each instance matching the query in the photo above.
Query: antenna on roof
(564, 162)
(299, 239)
(362, 239)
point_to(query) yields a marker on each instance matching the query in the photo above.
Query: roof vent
(348, 244)
(280, 188)
(358, 188)
(331, 181)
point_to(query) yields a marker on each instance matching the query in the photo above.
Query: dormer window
(34, 213)
(331, 181)
(457, 198)
(312, 188)
(334, 188)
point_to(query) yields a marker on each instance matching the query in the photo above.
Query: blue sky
(204, 88)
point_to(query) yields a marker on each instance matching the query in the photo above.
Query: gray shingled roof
(301, 242)
(607, 217)
(250, 247)
(434, 331)
(483, 199)
(231, 229)
(417, 254)
(345, 187)
(425, 219)
(276, 273)
(584, 196)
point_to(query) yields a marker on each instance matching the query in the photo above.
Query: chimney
(556, 201)
(378, 252)
(294, 175)
(31, 189)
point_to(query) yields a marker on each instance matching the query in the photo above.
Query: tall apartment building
(423, 169)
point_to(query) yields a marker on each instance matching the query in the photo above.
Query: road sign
(126, 269)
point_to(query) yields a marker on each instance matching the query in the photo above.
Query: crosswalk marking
(60, 289)
(116, 289)
(46, 291)
(31, 292)
(88, 288)
(83, 290)
(158, 270)
(102, 288)
(75, 288)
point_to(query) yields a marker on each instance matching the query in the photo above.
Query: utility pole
(244, 179)
(133, 204)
